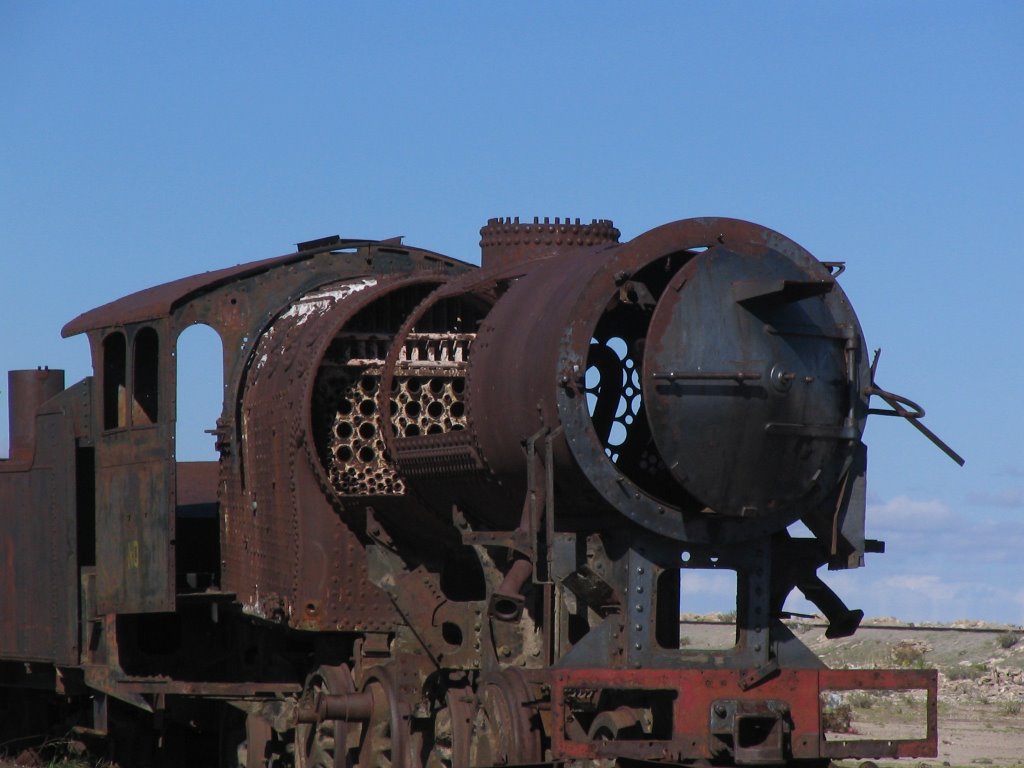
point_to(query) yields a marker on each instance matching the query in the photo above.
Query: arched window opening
(145, 403)
(115, 394)
(200, 392)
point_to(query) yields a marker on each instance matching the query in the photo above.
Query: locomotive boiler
(452, 508)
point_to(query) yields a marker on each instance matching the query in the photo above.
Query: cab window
(145, 400)
(115, 394)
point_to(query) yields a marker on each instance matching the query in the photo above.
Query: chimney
(504, 242)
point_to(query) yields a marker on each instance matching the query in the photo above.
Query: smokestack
(504, 242)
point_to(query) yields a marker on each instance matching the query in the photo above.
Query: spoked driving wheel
(452, 729)
(504, 726)
(387, 740)
(322, 744)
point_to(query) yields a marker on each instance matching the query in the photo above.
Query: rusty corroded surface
(452, 506)
(507, 242)
(678, 715)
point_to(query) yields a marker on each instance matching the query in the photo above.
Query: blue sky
(144, 142)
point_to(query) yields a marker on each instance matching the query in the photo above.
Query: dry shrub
(908, 653)
(837, 718)
(1007, 640)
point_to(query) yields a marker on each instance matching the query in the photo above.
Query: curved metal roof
(161, 300)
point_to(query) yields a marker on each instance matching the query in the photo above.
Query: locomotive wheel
(452, 730)
(323, 745)
(243, 740)
(387, 740)
(503, 726)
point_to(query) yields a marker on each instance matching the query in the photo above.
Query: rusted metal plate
(291, 541)
(38, 544)
(134, 554)
(745, 380)
(284, 552)
(693, 699)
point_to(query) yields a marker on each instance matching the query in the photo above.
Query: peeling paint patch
(314, 304)
(320, 301)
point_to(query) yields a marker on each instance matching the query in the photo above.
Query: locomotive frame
(406, 556)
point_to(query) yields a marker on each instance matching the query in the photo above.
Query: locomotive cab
(159, 516)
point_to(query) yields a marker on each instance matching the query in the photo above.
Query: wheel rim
(386, 740)
(323, 744)
(503, 730)
(452, 731)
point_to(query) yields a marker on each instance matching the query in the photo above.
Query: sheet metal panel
(135, 570)
(38, 546)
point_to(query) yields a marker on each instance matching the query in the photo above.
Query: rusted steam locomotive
(452, 508)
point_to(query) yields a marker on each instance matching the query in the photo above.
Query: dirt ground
(976, 736)
(973, 735)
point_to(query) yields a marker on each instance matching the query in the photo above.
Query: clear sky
(141, 142)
